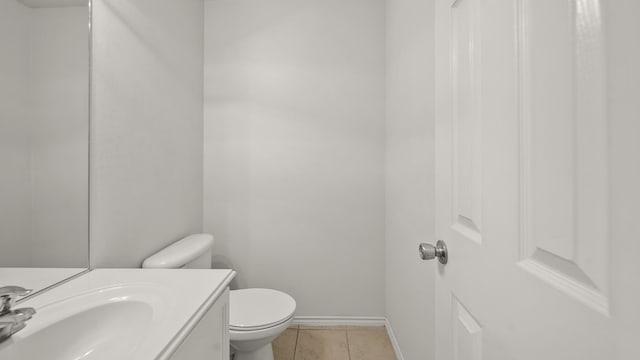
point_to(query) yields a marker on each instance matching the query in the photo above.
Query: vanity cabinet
(210, 338)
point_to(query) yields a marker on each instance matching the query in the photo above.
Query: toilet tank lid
(180, 252)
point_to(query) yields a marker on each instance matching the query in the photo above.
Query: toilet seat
(258, 309)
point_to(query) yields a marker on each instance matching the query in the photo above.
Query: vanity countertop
(175, 300)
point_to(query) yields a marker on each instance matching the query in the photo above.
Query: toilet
(256, 316)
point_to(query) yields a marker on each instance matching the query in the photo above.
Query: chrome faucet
(12, 321)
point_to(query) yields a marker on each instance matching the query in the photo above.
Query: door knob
(428, 251)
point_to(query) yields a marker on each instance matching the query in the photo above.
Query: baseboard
(394, 341)
(339, 321)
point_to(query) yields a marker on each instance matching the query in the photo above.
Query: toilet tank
(191, 252)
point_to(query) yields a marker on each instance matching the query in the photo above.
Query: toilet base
(263, 353)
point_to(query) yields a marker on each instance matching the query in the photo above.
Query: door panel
(467, 334)
(523, 174)
(564, 147)
(467, 160)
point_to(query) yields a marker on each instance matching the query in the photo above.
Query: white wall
(294, 148)
(44, 136)
(410, 175)
(60, 137)
(15, 118)
(146, 160)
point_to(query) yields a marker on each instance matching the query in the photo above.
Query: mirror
(44, 141)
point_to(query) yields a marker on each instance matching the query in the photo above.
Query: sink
(83, 336)
(99, 317)
(106, 323)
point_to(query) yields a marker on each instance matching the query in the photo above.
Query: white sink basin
(78, 337)
(97, 317)
(103, 324)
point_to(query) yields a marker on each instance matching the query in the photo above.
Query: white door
(538, 180)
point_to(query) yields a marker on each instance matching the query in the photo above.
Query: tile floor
(333, 343)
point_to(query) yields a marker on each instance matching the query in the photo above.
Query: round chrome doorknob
(428, 251)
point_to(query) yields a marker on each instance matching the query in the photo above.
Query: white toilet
(257, 316)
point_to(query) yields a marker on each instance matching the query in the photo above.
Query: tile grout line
(346, 334)
(295, 347)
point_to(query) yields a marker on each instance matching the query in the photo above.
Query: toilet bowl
(256, 316)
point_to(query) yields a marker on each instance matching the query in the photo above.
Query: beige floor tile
(284, 346)
(322, 345)
(370, 344)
